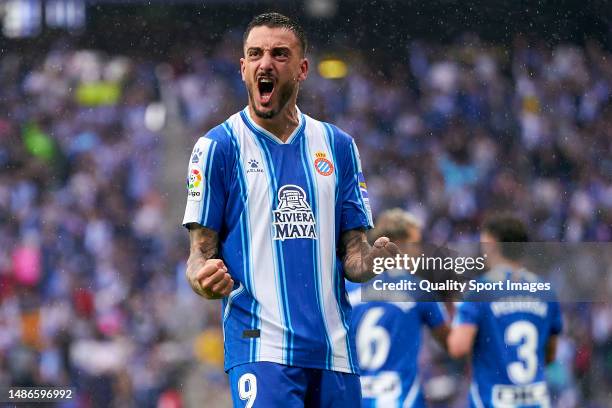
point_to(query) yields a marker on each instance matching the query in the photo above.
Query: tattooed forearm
(354, 252)
(358, 256)
(204, 245)
(204, 242)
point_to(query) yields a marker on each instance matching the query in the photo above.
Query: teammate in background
(277, 210)
(389, 333)
(510, 339)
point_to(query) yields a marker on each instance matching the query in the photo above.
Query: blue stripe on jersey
(241, 175)
(338, 272)
(206, 193)
(207, 174)
(316, 257)
(245, 233)
(227, 304)
(358, 191)
(281, 280)
(340, 291)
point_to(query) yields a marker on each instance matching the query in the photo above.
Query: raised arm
(461, 340)
(358, 256)
(207, 275)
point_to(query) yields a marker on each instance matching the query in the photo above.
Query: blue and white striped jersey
(279, 209)
(388, 344)
(510, 345)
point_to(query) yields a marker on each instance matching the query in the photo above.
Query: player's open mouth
(265, 86)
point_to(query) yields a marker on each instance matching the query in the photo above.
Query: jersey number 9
(247, 389)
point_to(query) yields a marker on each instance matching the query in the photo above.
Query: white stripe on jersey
(476, 395)
(412, 394)
(272, 331)
(325, 189)
(230, 299)
(193, 210)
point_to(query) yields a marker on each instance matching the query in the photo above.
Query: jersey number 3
(524, 335)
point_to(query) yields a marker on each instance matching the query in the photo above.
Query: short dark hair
(507, 228)
(276, 20)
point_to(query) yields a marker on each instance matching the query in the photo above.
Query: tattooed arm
(207, 276)
(358, 256)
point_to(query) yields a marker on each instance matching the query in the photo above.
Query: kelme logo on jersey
(195, 158)
(253, 167)
(293, 217)
(323, 166)
(194, 181)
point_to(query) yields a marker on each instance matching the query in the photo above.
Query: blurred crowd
(87, 291)
(92, 288)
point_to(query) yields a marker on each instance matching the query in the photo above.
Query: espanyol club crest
(322, 165)
(293, 218)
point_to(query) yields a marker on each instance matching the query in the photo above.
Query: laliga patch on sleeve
(195, 184)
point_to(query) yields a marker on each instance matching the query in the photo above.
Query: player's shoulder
(219, 136)
(529, 276)
(334, 131)
(339, 135)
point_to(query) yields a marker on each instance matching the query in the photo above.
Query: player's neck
(281, 125)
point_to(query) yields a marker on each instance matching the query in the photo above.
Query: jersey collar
(259, 131)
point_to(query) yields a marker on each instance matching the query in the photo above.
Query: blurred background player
(389, 333)
(512, 338)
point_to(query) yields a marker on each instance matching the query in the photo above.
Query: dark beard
(265, 115)
(284, 96)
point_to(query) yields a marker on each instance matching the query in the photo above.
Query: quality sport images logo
(293, 217)
(194, 183)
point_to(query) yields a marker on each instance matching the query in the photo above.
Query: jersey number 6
(373, 341)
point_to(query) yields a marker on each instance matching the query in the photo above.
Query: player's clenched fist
(211, 279)
(383, 248)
